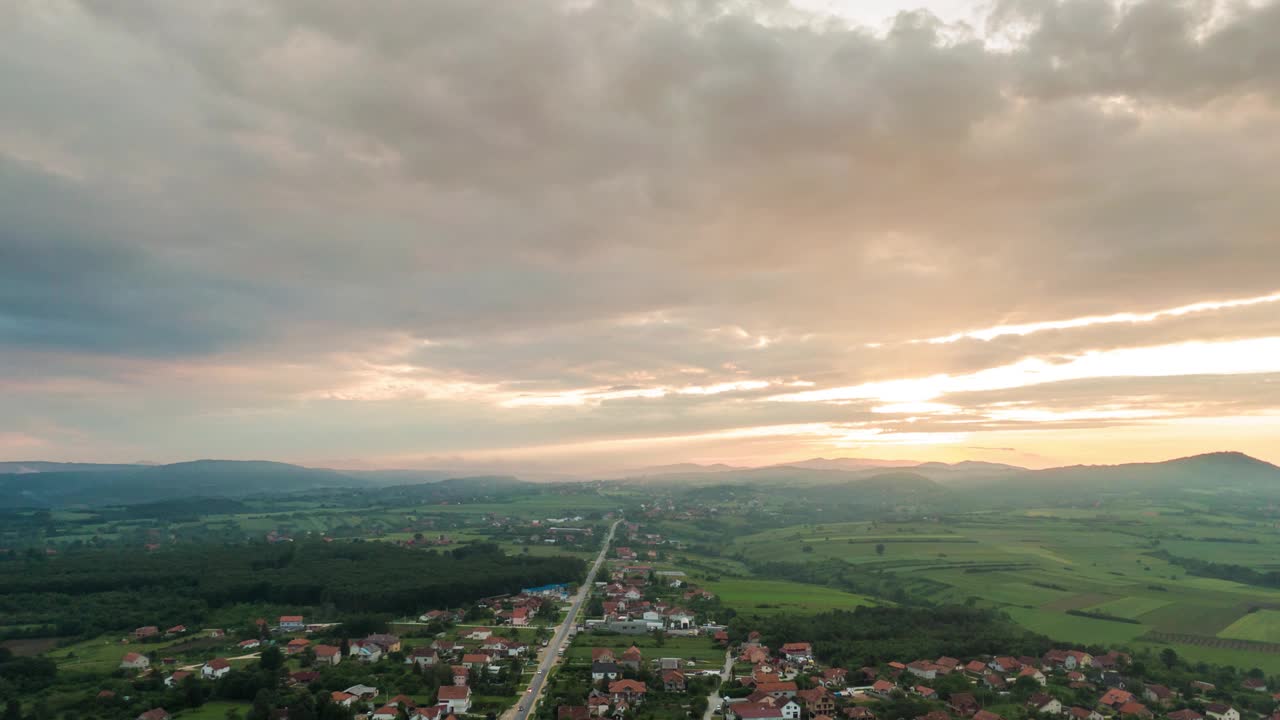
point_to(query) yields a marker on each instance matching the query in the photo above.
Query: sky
(579, 235)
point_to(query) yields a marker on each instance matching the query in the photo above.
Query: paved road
(525, 707)
(714, 699)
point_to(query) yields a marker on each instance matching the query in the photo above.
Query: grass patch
(770, 597)
(1261, 626)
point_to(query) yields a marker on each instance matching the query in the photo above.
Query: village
(433, 679)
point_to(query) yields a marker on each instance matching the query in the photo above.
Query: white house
(458, 698)
(215, 668)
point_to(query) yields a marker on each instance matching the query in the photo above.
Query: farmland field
(768, 597)
(1260, 626)
(1038, 565)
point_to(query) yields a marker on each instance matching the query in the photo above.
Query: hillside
(135, 484)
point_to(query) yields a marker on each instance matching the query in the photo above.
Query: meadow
(755, 596)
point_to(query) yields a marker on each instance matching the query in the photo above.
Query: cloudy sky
(587, 234)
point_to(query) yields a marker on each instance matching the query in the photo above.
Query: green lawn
(699, 649)
(1075, 629)
(1131, 607)
(769, 597)
(1262, 626)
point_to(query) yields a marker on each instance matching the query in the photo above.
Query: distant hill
(22, 467)
(849, 463)
(133, 484)
(674, 469)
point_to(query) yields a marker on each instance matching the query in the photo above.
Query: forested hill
(137, 484)
(99, 590)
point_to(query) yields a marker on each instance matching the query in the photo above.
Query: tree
(12, 710)
(1169, 657)
(271, 659)
(880, 548)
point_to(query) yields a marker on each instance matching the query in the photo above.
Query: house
(1187, 714)
(923, 669)
(155, 714)
(817, 701)
(248, 644)
(386, 712)
(605, 671)
(460, 675)
(520, 617)
(1005, 665)
(176, 678)
(934, 715)
(303, 677)
(328, 654)
(365, 651)
(1044, 704)
(835, 677)
(422, 657)
(995, 682)
(1202, 686)
(927, 693)
(1079, 713)
(797, 652)
(754, 711)
(296, 646)
(456, 697)
(143, 633)
(602, 655)
(882, 689)
(1254, 684)
(134, 661)
(1034, 674)
(1218, 711)
(1115, 698)
(345, 699)
(1113, 680)
(673, 681)
(479, 633)
(963, 704)
(976, 668)
(777, 689)
(573, 712)
(364, 692)
(475, 661)
(215, 668)
(401, 701)
(1158, 694)
(765, 710)
(632, 658)
(858, 712)
(1134, 709)
(632, 691)
(388, 643)
(290, 623)
(176, 630)
(986, 715)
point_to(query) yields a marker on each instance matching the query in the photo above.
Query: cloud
(617, 217)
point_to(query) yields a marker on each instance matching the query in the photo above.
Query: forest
(93, 591)
(876, 635)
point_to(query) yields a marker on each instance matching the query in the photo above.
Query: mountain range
(45, 484)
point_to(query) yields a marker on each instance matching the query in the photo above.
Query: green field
(1131, 607)
(699, 650)
(768, 597)
(1260, 626)
(1036, 565)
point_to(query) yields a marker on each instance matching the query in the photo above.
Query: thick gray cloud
(459, 203)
